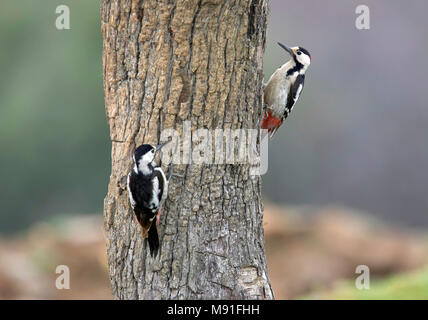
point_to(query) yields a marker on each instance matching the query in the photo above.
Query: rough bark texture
(166, 62)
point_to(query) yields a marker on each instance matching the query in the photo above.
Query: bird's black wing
(295, 91)
(141, 188)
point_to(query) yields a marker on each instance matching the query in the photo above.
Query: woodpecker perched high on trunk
(284, 88)
(147, 190)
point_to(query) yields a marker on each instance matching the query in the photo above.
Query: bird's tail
(150, 232)
(153, 239)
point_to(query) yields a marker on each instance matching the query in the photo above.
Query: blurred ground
(28, 261)
(311, 252)
(412, 285)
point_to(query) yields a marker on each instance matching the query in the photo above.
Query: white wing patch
(131, 198)
(154, 201)
(299, 90)
(135, 164)
(165, 184)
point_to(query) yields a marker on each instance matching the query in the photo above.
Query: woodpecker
(147, 190)
(284, 88)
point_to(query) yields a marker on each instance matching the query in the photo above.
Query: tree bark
(165, 63)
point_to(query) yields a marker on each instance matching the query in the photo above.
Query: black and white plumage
(147, 189)
(284, 88)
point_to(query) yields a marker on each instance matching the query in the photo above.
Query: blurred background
(348, 171)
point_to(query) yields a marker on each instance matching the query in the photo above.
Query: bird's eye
(299, 53)
(153, 151)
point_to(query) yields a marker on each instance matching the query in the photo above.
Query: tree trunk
(168, 63)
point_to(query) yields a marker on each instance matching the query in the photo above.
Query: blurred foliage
(53, 132)
(402, 286)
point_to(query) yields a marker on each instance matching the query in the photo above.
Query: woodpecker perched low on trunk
(147, 190)
(284, 88)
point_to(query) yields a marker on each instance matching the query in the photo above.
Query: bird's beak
(288, 49)
(160, 146)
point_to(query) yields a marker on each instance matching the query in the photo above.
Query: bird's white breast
(278, 88)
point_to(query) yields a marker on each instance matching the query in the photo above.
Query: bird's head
(145, 155)
(299, 54)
